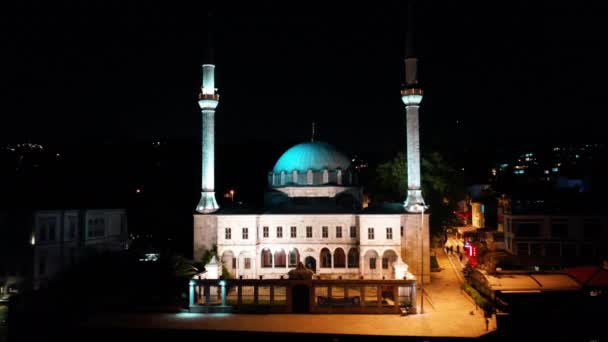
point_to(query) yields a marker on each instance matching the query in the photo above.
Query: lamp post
(422, 258)
(232, 195)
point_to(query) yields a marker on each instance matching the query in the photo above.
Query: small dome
(314, 156)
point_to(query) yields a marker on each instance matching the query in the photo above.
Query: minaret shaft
(413, 148)
(208, 101)
(208, 151)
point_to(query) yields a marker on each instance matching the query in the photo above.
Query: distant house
(61, 238)
(556, 239)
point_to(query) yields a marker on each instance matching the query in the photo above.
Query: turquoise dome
(312, 155)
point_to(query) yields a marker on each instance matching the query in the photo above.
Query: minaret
(411, 96)
(208, 100)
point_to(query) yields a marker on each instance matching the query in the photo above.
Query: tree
(490, 256)
(442, 185)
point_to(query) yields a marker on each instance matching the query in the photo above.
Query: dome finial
(312, 137)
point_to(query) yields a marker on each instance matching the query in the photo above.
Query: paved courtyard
(447, 312)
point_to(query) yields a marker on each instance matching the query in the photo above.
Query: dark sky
(119, 71)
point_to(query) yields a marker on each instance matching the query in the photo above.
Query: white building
(60, 238)
(313, 214)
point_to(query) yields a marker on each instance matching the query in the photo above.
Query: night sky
(116, 71)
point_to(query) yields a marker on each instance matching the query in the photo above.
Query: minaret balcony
(411, 96)
(208, 101)
(202, 96)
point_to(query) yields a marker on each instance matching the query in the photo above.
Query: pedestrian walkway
(447, 296)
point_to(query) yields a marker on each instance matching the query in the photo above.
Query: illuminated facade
(313, 213)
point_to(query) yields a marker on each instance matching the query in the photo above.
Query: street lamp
(232, 195)
(422, 257)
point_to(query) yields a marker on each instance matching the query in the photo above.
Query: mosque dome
(315, 156)
(312, 164)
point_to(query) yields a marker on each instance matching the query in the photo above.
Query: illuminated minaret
(208, 100)
(411, 96)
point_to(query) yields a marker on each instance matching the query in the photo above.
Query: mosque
(313, 209)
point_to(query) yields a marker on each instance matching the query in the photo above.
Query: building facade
(61, 238)
(561, 237)
(317, 220)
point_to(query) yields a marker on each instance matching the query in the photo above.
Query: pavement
(448, 312)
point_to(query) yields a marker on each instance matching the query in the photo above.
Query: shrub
(477, 297)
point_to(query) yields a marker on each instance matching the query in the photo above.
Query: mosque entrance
(301, 299)
(311, 263)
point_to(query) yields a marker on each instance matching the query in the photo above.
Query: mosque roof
(314, 156)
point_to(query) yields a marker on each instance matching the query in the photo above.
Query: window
(325, 258)
(52, 231)
(370, 233)
(43, 236)
(280, 259)
(559, 230)
(353, 231)
(265, 231)
(385, 263)
(372, 263)
(308, 231)
(528, 229)
(569, 250)
(536, 249)
(522, 249)
(279, 232)
(552, 249)
(245, 233)
(228, 234)
(294, 257)
(247, 263)
(234, 263)
(294, 231)
(96, 228)
(266, 258)
(592, 230)
(325, 231)
(401, 231)
(338, 232)
(587, 250)
(71, 227)
(339, 258)
(353, 258)
(389, 233)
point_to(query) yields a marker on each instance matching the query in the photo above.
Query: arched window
(353, 258)
(282, 177)
(339, 177)
(280, 258)
(294, 176)
(266, 258)
(294, 257)
(339, 258)
(325, 258)
(309, 177)
(325, 178)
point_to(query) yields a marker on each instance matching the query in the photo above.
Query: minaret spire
(411, 96)
(312, 137)
(208, 100)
